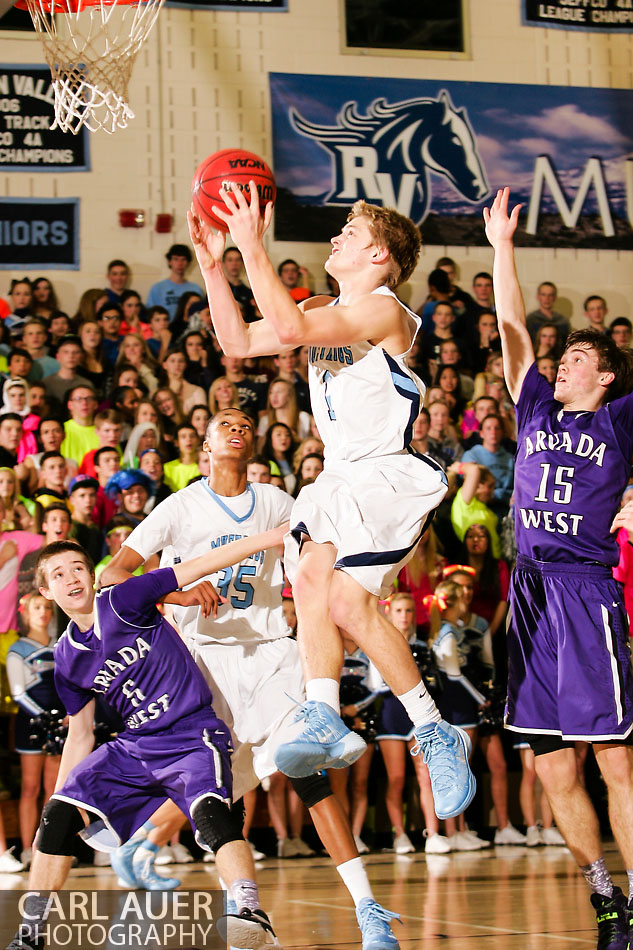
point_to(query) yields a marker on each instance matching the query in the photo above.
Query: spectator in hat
(133, 488)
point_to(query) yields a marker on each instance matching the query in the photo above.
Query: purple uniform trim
(569, 660)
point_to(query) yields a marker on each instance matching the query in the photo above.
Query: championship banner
(27, 112)
(239, 6)
(39, 233)
(610, 16)
(438, 151)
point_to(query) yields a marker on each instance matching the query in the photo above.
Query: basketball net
(90, 47)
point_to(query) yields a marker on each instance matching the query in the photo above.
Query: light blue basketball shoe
(325, 743)
(445, 749)
(373, 920)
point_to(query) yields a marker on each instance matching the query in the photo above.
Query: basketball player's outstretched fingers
(207, 243)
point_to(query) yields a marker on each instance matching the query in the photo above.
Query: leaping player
(359, 523)
(569, 658)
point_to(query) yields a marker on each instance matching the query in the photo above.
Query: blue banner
(438, 151)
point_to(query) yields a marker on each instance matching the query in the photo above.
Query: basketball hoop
(90, 47)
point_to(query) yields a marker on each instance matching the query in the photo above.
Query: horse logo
(386, 155)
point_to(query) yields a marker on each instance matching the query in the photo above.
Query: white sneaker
(9, 864)
(462, 841)
(165, 855)
(209, 857)
(533, 836)
(402, 844)
(257, 855)
(101, 859)
(552, 836)
(181, 854)
(302, 850)
(509, 835)
(482, 842)
(361, 847)
(27, 856)
(436, 843)
(286, 848)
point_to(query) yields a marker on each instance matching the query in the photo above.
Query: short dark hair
(258, 460)
(52, 550)
(118, 521)
(18, 351)
(482, 273)
(117, 395)
(593, 297)
(548, 283)
(186, 426)
(87, 385)
(55, 506)
(443, 303)
(117, 263)
(236, 250)
(445, 262)
(288, 260)
(104, 448)
(439, 279)
(179, 250)
(611, 359)
(71, 338)
(106, 307)
(621, 322)
(51, 455)
(11, 417)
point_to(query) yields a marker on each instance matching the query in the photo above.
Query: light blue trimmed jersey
(364, 401)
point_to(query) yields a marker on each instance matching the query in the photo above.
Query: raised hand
(500, 226)
(242, 215)
(207, 243)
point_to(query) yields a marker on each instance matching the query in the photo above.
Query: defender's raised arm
(516, 345)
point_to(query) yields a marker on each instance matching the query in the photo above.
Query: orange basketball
(230, 165)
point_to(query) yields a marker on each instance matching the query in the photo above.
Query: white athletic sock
(324, 691)
(354, 877)
(420, 708)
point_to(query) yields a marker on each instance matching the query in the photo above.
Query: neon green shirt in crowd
(78, 440)
(177, 475)
(463, 516)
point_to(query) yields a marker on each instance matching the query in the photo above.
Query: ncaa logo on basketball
(385, 156)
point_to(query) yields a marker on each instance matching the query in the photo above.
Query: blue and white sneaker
(144, 873)
(122, 863)
(373, 920)
(325, 743)
(445, 749)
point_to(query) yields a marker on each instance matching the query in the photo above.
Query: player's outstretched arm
(190, 571)
(236, 337)
(516, 344)
(79, 742)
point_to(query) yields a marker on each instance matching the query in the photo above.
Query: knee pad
(312, 789)
(61, 823)
(216, 823)
(238, 811)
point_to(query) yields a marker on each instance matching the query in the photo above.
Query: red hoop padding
(75, 6)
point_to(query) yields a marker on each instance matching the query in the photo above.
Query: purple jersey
(132, 657)
(571, 469)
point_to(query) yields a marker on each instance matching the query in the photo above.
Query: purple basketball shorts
(126, 780)
(569, 659)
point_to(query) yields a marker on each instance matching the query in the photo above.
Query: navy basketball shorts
(569, 659)
(126, 780)
(393, 722)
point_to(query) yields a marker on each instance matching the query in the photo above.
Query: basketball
(230, 165)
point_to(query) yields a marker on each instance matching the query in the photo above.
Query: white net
(90, 48)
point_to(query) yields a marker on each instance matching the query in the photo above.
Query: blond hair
(397, 233)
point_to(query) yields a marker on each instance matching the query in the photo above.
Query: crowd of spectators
(103, 416)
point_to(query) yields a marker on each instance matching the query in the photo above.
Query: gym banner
(606, 16)
(27, 143)
(39, 233)
(240, 6)
(437, 151)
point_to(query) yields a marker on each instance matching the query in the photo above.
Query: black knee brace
(312, 789)
(60, 824)
(216, 823)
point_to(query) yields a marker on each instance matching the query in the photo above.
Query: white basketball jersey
(194, 520)
(364, 401)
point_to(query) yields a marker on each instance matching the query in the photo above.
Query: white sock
(324, 691)
(354, 877)
(420, 708)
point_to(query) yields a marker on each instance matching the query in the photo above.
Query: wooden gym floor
(503, 899)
